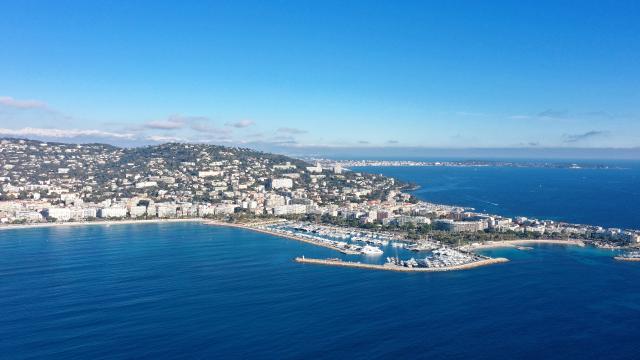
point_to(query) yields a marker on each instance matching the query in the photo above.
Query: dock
(392, 267)
(254, 227)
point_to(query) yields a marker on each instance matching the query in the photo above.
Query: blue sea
(186, 290)
(606, 197)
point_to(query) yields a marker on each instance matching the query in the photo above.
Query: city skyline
(324, 77)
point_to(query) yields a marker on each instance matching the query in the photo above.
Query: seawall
(391, 267)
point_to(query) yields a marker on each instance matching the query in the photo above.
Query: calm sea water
(195, 291)
(606, 197)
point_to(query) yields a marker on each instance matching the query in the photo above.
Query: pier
(624, 258)
(392, 267)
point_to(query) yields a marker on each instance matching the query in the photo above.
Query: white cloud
(160, 138)
(520, 117)
(64, 133)
(172, 123)
(573, 138)
(241, 123)
(205, 128)
(288, 130)
(22, 104)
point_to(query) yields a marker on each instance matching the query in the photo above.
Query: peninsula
(58, 184)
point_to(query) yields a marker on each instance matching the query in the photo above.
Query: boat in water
(371, 250)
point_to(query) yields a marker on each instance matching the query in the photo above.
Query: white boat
(371, 250)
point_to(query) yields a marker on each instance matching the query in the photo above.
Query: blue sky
(313, 74)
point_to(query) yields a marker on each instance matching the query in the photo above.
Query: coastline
(92, 223)
(390, 267)
(330, 262)
(515, 243)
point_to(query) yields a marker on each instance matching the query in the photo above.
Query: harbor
(371, 246)
(346, 241)
(269, 229)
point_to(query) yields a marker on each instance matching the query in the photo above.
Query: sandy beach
(92, 223)
(514, 243)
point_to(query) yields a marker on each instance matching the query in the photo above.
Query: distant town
(52, 183)
(458, 163)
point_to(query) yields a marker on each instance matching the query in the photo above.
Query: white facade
(146, 184)
(29, 216)
(113, 212)
(281, 183)
(287, 166)
(137, 211)
(315, 169)
(209, 173)
(225, 209)
(289, 209)
(60, 214)
(166, 211)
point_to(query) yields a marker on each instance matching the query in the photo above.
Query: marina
(274, 230)
(346, 241)
(351, 241)
(443, 257)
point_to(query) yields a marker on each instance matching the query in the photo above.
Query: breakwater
(392, 267)
(623, 258)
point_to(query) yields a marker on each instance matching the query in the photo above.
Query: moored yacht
(371, 250)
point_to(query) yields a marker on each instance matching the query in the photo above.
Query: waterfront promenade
(515, 243)
(97, 222)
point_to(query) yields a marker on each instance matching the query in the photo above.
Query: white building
(60, 214)
(315, 169)
(166, 210)
(281, 183)
(460, 226)
(287, 166)
(28, 216)
(209, 173)
(225, 209)
(289, 209)
(112, 212)
(137, 211)
(146, 184)
(204, 210)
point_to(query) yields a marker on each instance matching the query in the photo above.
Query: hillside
(171, 172)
